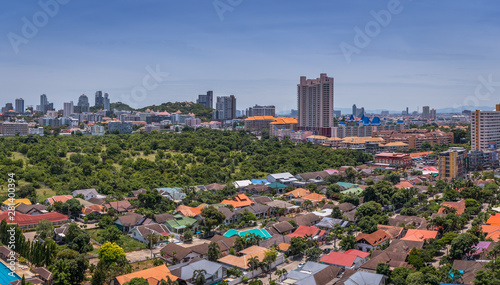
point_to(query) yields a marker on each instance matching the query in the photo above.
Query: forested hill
(121, 163)
(201, 111)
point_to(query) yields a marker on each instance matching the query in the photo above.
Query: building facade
(485, 129)
(206, 100)
(19, 105)
(315, 104)
(261, 111)
(68, 109)
(225, 108)
(452, 163)
(11, 129)
(83, 103)
(99, 100)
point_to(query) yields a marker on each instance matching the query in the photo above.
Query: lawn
(126, 242)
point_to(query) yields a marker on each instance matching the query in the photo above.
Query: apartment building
(485, 129)
(452, 163)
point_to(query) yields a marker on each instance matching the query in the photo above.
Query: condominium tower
(485, 129)
(315, 104)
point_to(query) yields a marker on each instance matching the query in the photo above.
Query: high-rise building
(19, 105)
(83, 103)
(225, 108)
(425, 112)
(354, 110)
(315, 104)
(452, 163)
(68, 109)
(107, 103)
(432, 114)
(99, 100)
(206, 100)
(261, 111)
(485, 129)
(43, 103)
(8, 107)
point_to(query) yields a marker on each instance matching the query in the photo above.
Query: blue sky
(430, 52)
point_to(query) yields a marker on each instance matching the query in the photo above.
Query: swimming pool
(260, 232)
(5, 278)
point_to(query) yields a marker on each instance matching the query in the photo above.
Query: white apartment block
(485, 129)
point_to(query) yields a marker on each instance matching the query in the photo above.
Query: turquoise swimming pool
(259, 232)
(5, 278)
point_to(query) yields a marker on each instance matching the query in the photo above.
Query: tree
(105, 222)
(110, 233)
(268, 260)
(111, 252)
(399, 275)
(212, 217)
(463, 245)
(137, 281)
(44, 229)
(253, 263)
(368, 209)
(367, 225)
(188, 235)
(384, 269)
(419, 278)
(337, 213)
(213, 251)
(235, 272)
(199, 276)
(313, 254)
(298, 245)
(348, 242)
(280, 273)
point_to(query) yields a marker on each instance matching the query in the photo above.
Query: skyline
(254, 52)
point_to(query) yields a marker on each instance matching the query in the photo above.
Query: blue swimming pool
(5, 278)
(260, 232)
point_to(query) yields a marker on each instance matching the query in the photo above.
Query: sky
(382, 54)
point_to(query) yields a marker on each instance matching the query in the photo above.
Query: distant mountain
(348, 111)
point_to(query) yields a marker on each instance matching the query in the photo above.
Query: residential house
(329, 223)
(492, 232)
(468, 270)
(163, 218)
(419, 235)
(394, 255)
(231, 217)
(241, 200)
(97, 201)
(259, 210)
(278, 204)
(177, 254)
(312, 273)
(31, 221)
(225, 243)
(368, 242)
(153, 275)
(314, 197)
(261, 199)
(459, 206)
(345, 260)
(60, 233)
(366, 278)
(16, 202)
(241, 260)
(306, 231)
(180, 223)
(5, 253)
(242, 184)
(36, 209)
(394, 232)
(283, 178)
(119, 206)
(175, 194)
(400, 220)
(143, 233)
(404, 185)
(297, 193)
(130, 220)
(275, 240)
(187, 211)
(215, 186)
(279, 187)
(213, 271)
(258, 189)
(61, 198)
(313, 177)
(280, 228)
(87, 194)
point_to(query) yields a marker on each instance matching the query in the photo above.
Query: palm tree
(213, 251)
(280, 273)
(306, 204)
(269, 259)
(199, 276)
(253, 263)
(168, 282)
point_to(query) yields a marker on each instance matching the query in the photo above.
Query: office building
(358, 112)
(107, 103)
(354, 110)
(99, 100)
(206, 100)
(337, 113)
(19, 105)
(315, 104)
(83, 103)
(452, 163)
(261, 111)
(8, 108)
(43, 103)
(68, 109)
(120, 127)
(8, 129)
(485, 129)
(425, 112)
(225, 108)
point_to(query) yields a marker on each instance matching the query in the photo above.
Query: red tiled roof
(302, 231)
(359, 253)
(60, 198)
(339, 258)
(23, 219)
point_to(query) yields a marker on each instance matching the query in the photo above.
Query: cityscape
(260, 157)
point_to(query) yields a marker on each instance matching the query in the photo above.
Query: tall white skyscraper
(485, 129)
(68, 109)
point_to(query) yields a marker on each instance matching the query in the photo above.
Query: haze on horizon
(429, 53)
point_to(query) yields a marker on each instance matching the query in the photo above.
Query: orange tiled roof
(494, 220)
(241, 200)
(298, 193)
(241, 261)
(459, 206)
(156, 273)
(491, 231)
(284, 246)
(259, 118)
(189, 211)
(315, 197)
(375, 238)
(284, 120)
(419, 235)
(403, 185)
